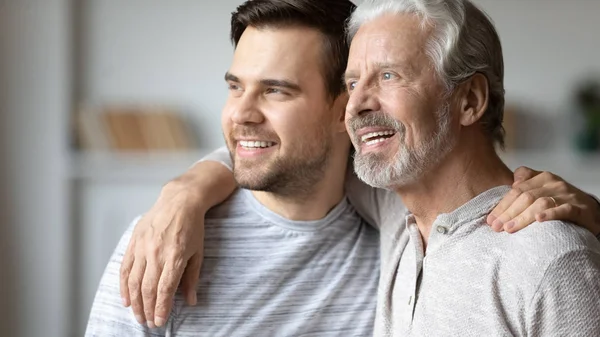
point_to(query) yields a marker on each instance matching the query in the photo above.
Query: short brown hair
(327, 16)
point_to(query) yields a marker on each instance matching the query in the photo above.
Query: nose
(363, 99)
(245, 110)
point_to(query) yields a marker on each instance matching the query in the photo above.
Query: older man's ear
(473, 99)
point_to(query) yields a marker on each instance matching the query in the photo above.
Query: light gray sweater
(541, 281)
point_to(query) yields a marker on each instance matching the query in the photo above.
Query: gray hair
(464, 42)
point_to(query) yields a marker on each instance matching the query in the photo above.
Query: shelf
(132, 167)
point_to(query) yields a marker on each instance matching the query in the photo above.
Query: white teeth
(255, 144)
(375, 141)
(376, 134)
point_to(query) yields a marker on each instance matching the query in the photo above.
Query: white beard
(408, 166)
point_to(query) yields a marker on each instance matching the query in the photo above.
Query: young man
(192, 211)
(286, 255)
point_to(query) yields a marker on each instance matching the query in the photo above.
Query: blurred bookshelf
(136, 143)
(132, 143)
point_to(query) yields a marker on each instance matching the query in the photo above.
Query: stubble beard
(292, 175)
(408, 166)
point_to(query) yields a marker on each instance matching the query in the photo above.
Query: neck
(466, 172)
(320, 197)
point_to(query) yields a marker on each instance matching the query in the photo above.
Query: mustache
(377, 118)
(251, 132)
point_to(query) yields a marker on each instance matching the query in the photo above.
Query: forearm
(206, 184)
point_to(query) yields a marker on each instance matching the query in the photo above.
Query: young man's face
(278, 120)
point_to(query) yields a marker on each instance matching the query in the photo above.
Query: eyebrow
(407, 69)
(231, 78)
(348, 75)
(267, 82)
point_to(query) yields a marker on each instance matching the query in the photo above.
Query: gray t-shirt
(541, 281)
(264, 275)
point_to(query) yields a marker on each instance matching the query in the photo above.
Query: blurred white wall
(174, 52)
(178, 52)
(35, 99)
(548, 47)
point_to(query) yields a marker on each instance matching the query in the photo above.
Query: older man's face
(398, 116)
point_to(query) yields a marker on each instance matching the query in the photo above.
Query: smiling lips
(255, 144)
(372, 138)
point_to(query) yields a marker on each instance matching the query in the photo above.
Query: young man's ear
(474, 100)
(339, 106)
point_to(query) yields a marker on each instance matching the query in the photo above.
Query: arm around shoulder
(169, 239)
(209, 181)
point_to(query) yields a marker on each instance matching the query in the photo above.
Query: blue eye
(274, 91)
(387, 76)
(351, 85)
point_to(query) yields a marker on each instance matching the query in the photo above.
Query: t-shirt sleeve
(220, 155)
(108, 316)
(567, 302)
(377, 206)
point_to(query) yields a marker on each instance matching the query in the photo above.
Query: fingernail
(151, 325)
(159, 321)
(140, 319)
(193, 299)
(542, 216)
(497, 224)
(490, 219)
(510, 225)
(125, 303)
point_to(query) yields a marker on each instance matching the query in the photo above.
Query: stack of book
(132, 129)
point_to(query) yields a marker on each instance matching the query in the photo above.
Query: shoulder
(554, 238)
(538, 248)
(235, 206)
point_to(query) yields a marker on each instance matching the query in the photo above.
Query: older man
(427, 133)
(430, 136)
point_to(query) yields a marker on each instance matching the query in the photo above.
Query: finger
(524, 173)
(523, 202)
(167, 286)
(563, 212)
(135, 291)
(502, 206)
(538, 181)
(125, 271)
(528, 216)
(190, 279)
(149, 286)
